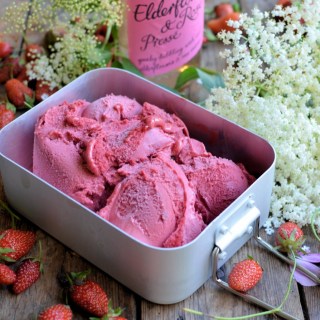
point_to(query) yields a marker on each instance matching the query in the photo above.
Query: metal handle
(248, 297)
(245, 296)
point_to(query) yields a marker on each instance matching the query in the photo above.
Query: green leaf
(11, 107)
(3, 252)
(208, 10)
(105, 53)
(116, 64)
(29, 101)
(236, 7)
(209, 79)
(185, 76)
(108, 34)
(128, 65)
(6, 250)
(210, 35)
(169, 88)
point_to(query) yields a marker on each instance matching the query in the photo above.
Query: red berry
(33, 51)
(43, 91)
(289, 237)
(245, 275)
(22, 76)
(18, 93)
(19, 241)
(284, 3)
(6, 115)
(219, 24)
(27, 274)
(56, 312)
(9, 68)
(90, 297)
(7, 276)
(5, 49)
(223, 9)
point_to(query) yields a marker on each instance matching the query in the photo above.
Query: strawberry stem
(272, 311)
(12, 214)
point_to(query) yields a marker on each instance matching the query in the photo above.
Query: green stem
(108, 35)
(313, 217)
(12, 214)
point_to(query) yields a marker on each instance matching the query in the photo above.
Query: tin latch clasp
(236, 229)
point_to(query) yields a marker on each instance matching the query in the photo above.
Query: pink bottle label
(164, 34)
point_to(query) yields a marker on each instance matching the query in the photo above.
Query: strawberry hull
(171, 274)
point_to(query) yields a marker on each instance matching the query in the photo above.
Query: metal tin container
(160, 275)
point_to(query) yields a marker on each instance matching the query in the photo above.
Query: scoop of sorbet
(154, 204)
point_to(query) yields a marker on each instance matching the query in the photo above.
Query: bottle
(160, 36)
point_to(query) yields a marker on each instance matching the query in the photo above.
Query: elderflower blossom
(74, 54)
(46, 14)
(272, 88)
(103, 10)
(73, 24)
(14, 17)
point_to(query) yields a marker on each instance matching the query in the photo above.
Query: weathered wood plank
(216, 301)
(265, 5)
(209, 298)
(47, 290)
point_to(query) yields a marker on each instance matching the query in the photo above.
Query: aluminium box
(160, 275)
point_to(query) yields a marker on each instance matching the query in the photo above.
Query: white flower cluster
(74, 54)
(273, 89)
(76, 50)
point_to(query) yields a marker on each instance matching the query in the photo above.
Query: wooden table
(303, 302)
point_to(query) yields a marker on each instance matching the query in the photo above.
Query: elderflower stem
(259, 314)
(313, 217)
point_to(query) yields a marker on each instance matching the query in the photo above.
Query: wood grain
(209, 298)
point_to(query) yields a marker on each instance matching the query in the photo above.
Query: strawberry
(9, 68)
(18, 94)
(100, 38)
(222, 9)
(14, 244)
(245, 275)
(56, 312)
(101, 32)
(33, 51)
(5, 49)
(113, 314)
(27, 274)
(43, 91)
(91, 297)
(218, 24)
(7, 276)
(22, 76)
(6, 115)
(284, 3)
(289, 237)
